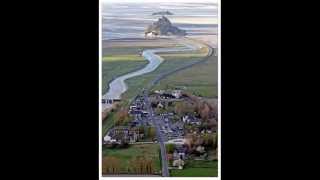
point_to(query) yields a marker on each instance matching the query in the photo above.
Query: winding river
(118, 86)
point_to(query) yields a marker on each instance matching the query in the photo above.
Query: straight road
(164, 160)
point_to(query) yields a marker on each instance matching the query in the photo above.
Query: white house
(151, 34)
(200, 149)
(176, 93)
(191, 120)
(109, 139)
(176, 141)
(178, 155)
(160, 105)
(185, 119)
(159, 91)
(179, 163)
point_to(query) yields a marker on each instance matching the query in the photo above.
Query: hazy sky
(173, 1)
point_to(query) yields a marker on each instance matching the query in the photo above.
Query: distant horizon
(164, 1)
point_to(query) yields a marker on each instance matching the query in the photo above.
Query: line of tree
(182, 108)
(203, 108)
(170, 148)
(151, 132)
(141, 165)
(121, 117)
(210, 141)
(110, 165)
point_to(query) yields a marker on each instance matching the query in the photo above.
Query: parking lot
(164, 121)
(168, 129)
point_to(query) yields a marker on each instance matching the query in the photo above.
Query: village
(184, 123)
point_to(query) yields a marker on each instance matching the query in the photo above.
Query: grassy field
(107, 123)
(171, 61)
(116, 65)
(201, 79)
(197, 169)
(124, 155)
(120, 58)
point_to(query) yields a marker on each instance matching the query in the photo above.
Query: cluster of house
(190, 119)
(176, 94)
(179, 155)
(137, 106)
(122, 133)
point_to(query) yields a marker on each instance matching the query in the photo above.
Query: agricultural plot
(201, 79)
(149, 151)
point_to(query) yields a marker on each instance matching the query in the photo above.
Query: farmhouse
(108, 139)
(179, 163)
(191, 120)
(160, 105)
(179, 152)
(176, 93)
(177, 126)
(167, 96)
(159, 91)
(151, 34)
(120, 133)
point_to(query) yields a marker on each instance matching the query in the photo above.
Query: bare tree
(152, 132)
(110, 165)
(178, 109)
(204, 112)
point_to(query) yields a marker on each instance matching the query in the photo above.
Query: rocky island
(163, 27)
(162, 13)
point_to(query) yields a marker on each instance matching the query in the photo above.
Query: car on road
(103, 101)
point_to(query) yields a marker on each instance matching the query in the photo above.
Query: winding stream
(118, 86)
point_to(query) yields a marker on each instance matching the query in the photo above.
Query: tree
(133, 165)
(152, 132)
(212, 123)
(214, 111)
(215, 141)
(170, 157)
(110, 165)
(207, 140)
(178, 109)
(188, 107)
(204, 112)
(199, 141)
(170, 148)
(190, 141)
(141, 165)
(141, 130)
(121, 117)
(184, 107)
(124, 143)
